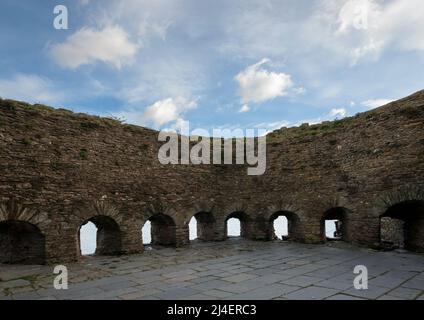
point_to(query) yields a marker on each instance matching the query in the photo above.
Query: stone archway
(163, 230)
(338, 215)
(244, 223)
(108, 221)
(22, 234)
(392, 233)
(292, 224)
(108, 237)
(21, 242)
(205, 226)
(402, 224)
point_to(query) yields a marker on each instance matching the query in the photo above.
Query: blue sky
(218, 64)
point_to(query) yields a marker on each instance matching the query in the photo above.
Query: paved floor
(234, 269)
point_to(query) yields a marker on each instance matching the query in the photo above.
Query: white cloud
(30, 88)
(375, 103)
(371, 49)
(148, 28)
(338, 113)
(357, 15)
(372, 26)
(403, 23)
(259, 85)
(163, 75)
(335, 113)
(244, 108)
(271, 126)
(299, 90)
(167, 110)
(109, 45)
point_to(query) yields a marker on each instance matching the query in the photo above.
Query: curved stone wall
(59, 170)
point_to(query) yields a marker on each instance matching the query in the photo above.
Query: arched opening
(282, 225)
(146, 232)
(233, 227)
(160, 229)
(392, 233)
(192, 229)
(202, 227)
(402, 225)
(100, 235)
(236, 225)
(88, 238)
(334, 224)
(21, 242)
(281, 229)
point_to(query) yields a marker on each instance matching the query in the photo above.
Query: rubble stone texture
(60, 169)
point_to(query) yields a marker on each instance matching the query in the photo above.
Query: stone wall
(20, 243)
(59, 170)
(392, 232)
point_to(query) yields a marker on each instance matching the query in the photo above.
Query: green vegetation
(12, 105)
(56, 165)
(132, 128)
(8, 105)
(87, 121)
(83, 154)
(89, 124)
(41, 107)
(412, 112)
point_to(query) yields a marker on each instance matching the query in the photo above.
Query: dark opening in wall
(392, 233)
(202, 227)
(108, 236)
(404, 223)
(162, 231)
(21, 242)
(334, 224)
(282, 225)
(236, 225)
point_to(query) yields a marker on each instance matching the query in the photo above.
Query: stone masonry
(59, 169)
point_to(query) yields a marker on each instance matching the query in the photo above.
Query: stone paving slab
(311, 293)
(264, 293)
(234, 269)
(302, 281)
(373, 292)
(343, 297)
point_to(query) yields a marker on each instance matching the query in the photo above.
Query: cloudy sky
(218, 64)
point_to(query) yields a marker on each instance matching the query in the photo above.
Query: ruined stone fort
(60, 169)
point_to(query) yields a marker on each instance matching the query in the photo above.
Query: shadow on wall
(282, 225)
(402, 225)
(202, 226)
(334, 225)
(107, 235)
(159, 229)
(21, 242)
